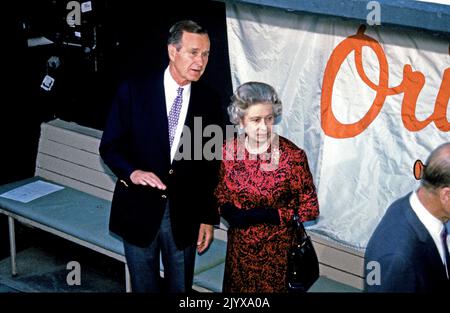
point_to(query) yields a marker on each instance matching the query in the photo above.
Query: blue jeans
(143, 263)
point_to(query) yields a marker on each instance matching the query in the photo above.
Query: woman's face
(258, 122)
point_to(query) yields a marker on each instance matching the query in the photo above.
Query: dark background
(118, 39)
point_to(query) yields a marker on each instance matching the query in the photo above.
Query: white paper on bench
(31, 191)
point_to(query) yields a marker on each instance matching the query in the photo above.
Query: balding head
(436, 173)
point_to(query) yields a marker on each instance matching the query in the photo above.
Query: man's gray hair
(436, 173)
(252, 93)
(176, 31)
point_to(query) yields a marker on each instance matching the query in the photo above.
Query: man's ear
(172, 50)
(444, 195)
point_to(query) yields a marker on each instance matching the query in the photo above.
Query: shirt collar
(432, 223)
(171, 84)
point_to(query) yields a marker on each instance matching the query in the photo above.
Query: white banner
(353, 100)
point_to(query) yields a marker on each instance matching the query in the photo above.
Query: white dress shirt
(431, 223)
(170, 90)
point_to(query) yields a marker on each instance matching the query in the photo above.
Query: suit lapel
(157, 111)
(189, 122)
(425, 238)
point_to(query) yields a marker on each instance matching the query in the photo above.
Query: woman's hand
(241, 218)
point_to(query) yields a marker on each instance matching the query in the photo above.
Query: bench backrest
(68, 154)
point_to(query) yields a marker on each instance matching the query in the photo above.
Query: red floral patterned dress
(256, 258)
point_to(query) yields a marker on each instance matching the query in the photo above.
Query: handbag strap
(299, 226)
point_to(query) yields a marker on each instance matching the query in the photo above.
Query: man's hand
(205, 237)
(139, 177)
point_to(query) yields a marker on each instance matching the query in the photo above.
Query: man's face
(188, 63)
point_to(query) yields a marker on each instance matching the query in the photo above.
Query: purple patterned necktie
(444, 243)
(174, 115)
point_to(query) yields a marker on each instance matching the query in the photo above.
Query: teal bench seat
(68, 157)
(83, 219)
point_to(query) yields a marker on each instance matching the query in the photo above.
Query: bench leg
(127, 279)
(12, 245)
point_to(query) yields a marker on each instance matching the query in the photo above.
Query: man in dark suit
(408, 252)
(163, 200)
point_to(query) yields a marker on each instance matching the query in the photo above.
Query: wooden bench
(68, 156)
(338, 262)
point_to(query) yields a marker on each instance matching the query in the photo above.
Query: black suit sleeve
(214, 116)
(396, 274)
(115, 145)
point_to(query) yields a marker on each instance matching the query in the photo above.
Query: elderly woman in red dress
(263, 179)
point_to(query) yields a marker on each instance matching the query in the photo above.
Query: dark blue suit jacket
(408, 258)
(136, 137)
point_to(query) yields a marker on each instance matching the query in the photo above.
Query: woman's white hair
(251, 93)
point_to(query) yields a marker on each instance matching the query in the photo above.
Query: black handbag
(303, 265)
